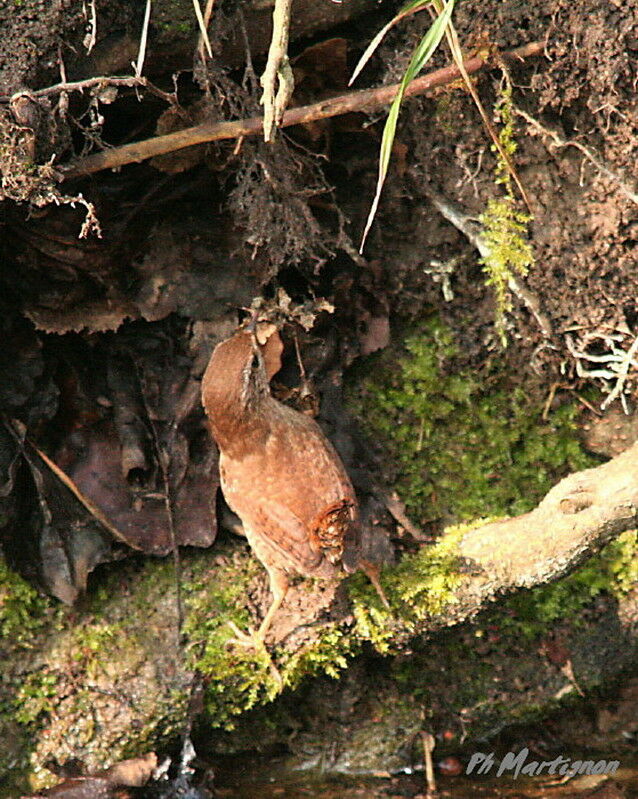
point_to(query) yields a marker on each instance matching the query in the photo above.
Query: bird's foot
(250, 639)
(254, 639)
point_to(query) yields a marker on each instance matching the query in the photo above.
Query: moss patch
(464, 445)
(505, 227)
(174, 19)
(235, 680)
(23, 611)
(420, 587)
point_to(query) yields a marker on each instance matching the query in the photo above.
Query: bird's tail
(372, 572)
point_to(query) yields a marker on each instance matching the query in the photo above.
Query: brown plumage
(279, 473)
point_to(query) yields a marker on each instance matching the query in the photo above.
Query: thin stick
(202, 27)
(91, 36)
(131, 81)
(208, 12)
(427, 739)
(277, 81)
(366, 99)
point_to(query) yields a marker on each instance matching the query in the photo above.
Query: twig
(129, 81)
(427, 739)
(473, 232)
(585, 403)
(629, 191)
(202, 27)
(63, 99)
(396, 509)
(549, 400)
(366, 99)
(91, 36)
(208, 12)
(277, 81)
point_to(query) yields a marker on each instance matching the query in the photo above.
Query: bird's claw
(253, 639)
(250, 639)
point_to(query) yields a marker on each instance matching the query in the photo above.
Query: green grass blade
(409, 8)
(202, 27)
(420, 57)
(429, 43)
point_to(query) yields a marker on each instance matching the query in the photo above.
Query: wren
(279, 473)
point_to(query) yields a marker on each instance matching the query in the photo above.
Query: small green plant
(22, 609)
(507, 251)
(36, 696)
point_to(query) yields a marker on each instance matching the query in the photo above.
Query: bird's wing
(298, 497)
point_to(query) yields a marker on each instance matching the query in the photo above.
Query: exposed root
(277, 81)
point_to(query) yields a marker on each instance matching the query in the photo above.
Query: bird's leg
(279, 586)
(255, 638)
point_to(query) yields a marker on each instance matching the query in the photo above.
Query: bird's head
(237, 376)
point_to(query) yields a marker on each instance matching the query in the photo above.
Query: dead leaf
(67, 540)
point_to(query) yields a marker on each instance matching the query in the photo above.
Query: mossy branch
(582, 513)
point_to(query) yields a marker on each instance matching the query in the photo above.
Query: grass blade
(202, 27)
(409, 8)
(420, 57)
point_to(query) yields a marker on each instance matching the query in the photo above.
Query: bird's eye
(254, 364)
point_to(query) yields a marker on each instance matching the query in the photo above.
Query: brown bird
(279, 473)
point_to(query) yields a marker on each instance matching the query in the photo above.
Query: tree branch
(364, 100)
(581, 514)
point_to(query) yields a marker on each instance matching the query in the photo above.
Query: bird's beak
(251, 327)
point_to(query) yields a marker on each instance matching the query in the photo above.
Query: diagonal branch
(577, 517)
(364, 100)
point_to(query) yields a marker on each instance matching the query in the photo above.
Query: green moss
(174, 19)
(461, 450)
(97, 643)
(23, 611)
(509, 252)
(507, 135)
(420, 587)
(35, 696)
(236, 680)
(327, 655)
(505, 228)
